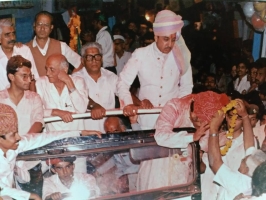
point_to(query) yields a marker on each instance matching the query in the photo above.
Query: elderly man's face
(112, 125)
(92, 60)
(43, 27)
(165, 43)
(52, 68)
(8, 37)
(64, 170)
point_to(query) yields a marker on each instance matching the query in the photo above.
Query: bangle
(214, 134)
(245, 116)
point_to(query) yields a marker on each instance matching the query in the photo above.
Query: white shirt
(25, 52)
(75, 102)
(159, 78)
(81, 181)
(232, 160)
(28, 142)
(104, 38)
(232, 183)
(29, 109)
(71, 56)
(120, 62)
(243, 85)
(102, 92)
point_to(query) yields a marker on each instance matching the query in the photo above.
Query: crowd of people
(228, 111)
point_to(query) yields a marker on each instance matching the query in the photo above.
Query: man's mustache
(11, 41)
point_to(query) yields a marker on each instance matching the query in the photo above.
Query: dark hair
(262, 89)
(259, 180)
(100, 17)
(44, 13)
(16, 62)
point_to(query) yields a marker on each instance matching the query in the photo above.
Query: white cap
(119, 37)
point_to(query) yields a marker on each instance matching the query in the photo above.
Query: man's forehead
(62, 164)
(8, 29)
(92, 50)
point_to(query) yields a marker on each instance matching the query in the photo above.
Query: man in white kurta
(104, 38)
(79, 185)
(121, 55)
(242, 84)
(163, 69)
(63, 95)
(11, 144)
(8, 49)
(72, 97)
(100, 82)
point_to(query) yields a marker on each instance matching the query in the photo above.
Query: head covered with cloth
(167, 34)
(196, 109)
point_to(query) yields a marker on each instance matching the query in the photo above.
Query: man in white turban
(163, 68)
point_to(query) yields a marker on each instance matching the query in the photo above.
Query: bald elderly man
(163, 68)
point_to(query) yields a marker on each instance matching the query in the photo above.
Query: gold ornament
(232, 124)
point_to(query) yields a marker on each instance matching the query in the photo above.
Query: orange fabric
(206, 104)
(8, 119)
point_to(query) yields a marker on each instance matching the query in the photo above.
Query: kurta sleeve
(71, 56)
(126, 78)
(37, 115)
(48, 187)
(232, 181)
(186, 83)
(79, 97)
(164, 134)
(32, 141)
(13, 192)
(40, 91)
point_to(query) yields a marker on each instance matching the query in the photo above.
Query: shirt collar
(158, 53)
(102, 29)
(34, 44)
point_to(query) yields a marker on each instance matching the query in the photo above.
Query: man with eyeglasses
(42, 46)
(8, 49)
(101, 84)
(27, 105)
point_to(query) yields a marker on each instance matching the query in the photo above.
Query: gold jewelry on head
(232, 124)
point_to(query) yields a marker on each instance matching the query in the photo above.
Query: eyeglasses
(25, 77)
(46, 26)
(97, 57)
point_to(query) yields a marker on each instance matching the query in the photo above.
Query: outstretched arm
(214, 155)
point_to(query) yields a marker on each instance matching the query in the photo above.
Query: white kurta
(104, 38)
(244, 84)
(81, 181)
(75, 102)
(25, 52)
(159, 78)
(71, 56)
(232, 160)
(102, 92)
(121, 62)
(29, 110)
(232, 183)
(28, 142)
